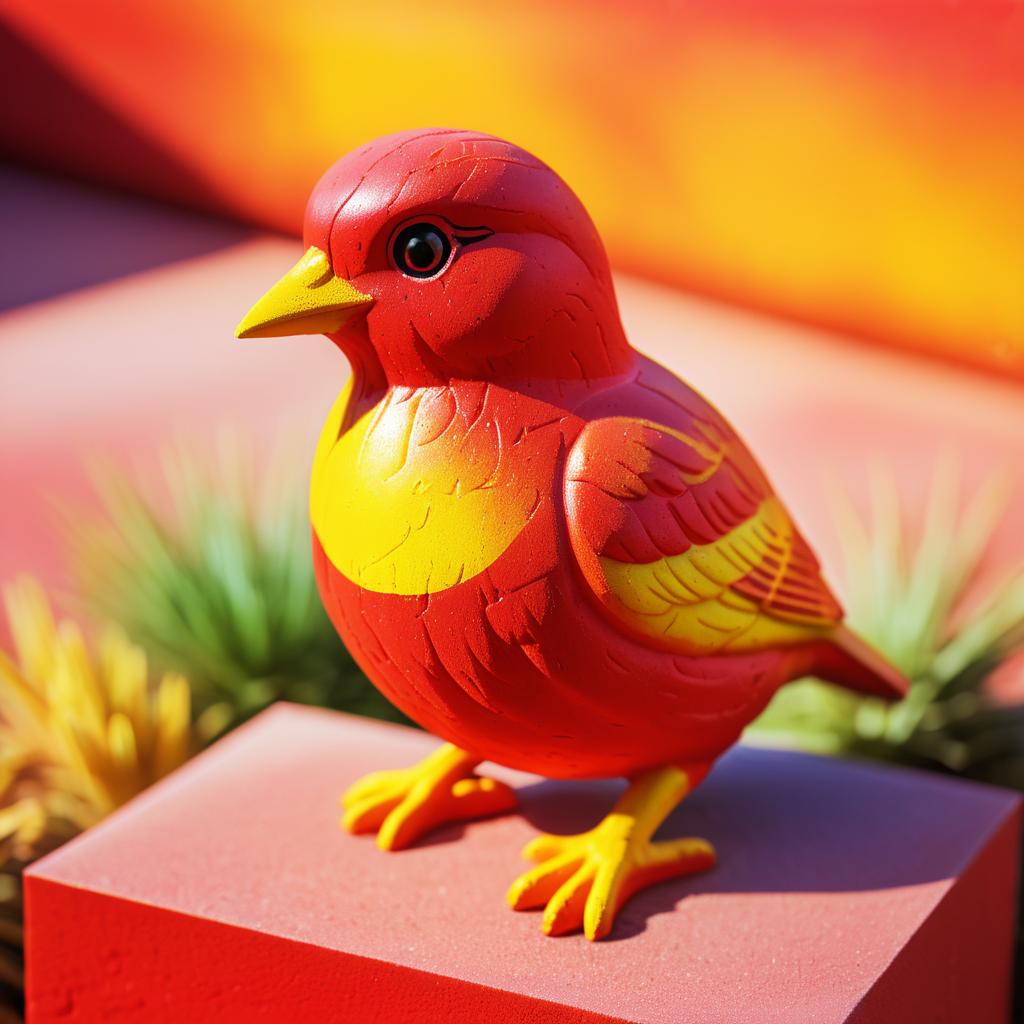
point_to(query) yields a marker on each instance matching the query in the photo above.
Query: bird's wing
(680, 536)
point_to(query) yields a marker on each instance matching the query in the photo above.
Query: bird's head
(437, 255)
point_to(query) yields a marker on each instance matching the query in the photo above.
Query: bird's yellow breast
(423, 491)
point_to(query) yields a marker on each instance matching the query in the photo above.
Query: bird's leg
(585, 879)
(401, 805)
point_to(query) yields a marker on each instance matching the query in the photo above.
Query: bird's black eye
(421, 250)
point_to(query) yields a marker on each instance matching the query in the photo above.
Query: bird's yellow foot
(583, 880)
(401, 805)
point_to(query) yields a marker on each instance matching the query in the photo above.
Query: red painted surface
(228, 893)
(509, 362)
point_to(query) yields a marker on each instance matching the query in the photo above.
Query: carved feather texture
(680, 535)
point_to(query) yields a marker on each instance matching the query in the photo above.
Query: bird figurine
(539, 544)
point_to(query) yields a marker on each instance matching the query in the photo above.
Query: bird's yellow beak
(309, 299)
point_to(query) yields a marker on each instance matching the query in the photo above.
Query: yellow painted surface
(400, 515)
(685, 599)
(309, 299)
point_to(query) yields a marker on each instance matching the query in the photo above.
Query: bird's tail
(852, 662)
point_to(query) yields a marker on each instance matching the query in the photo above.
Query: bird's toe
(544, 847)
(582, 881)
(564, 911)
(369, 813)
(404, 804)
(535, 887)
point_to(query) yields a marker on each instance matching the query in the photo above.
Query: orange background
(855, 166)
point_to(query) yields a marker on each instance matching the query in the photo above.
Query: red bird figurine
(538, 543)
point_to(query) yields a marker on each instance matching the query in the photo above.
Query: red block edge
(245, 984)
(99, 956)
(946, 958)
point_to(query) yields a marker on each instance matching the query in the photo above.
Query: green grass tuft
(207, 565)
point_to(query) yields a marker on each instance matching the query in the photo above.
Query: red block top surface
(826, 869)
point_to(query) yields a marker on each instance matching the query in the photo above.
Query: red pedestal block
(227, 893)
